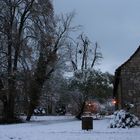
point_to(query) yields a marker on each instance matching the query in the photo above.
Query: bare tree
(50, 43)
(83, 58)
(14, 19)
(30, 40)
(84, 54)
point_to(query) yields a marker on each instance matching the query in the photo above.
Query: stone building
(127, 84)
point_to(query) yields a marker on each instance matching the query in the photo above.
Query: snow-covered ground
(65, 128)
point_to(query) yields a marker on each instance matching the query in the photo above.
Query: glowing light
(89, 104)
(114, 101)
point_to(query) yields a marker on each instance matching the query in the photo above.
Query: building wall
(119, 97)
(130, 83)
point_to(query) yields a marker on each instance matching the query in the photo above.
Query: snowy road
(65, 128)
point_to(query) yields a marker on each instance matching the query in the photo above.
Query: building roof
(118, 71)
(138, 49)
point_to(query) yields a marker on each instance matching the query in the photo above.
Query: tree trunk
(30, 111)
(34, 94)
(9, 105)
(5, 112)
(36, 85)
(81, 111)
(38, 81)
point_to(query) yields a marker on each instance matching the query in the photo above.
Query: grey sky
(114, 24)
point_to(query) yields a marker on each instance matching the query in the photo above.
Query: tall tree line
(32, 42)
(30, 37)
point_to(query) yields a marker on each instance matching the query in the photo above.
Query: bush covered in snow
(60, 109)
(123, 119)
(39, 111)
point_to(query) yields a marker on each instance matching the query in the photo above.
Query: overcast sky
(114, 24)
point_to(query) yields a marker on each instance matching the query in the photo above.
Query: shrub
(123, 119)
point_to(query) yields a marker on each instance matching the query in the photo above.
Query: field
(65, 128)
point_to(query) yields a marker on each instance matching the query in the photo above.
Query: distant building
(127, 84)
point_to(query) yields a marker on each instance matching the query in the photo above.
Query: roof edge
(118, 69)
